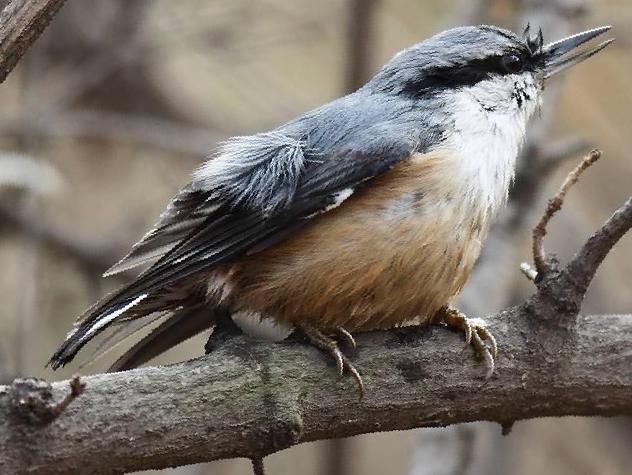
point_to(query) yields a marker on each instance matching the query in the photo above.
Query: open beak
(564, 53)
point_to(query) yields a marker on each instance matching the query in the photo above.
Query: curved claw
(347, 337)
(468, 333)
(483, 351)
(340, 360)
(475, 334)
(485, 334)
(354, 372)
(330, 346)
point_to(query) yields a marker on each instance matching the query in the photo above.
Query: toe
(356, 375)
(484, 352)
(347, 337)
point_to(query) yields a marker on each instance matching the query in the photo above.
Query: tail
(89, 325)
(113, 310)
(179, 327)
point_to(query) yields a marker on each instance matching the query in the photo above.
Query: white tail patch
(122, 333)
(103, 321)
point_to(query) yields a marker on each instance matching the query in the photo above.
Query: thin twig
(361, 22)
(77, 387)
(553, 206)
(32, 400)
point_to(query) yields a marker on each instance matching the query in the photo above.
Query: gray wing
(259, 172)
(186, 211)
(234, 230)
(263, 199)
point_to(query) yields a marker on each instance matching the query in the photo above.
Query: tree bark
(249, 399)
(21, 23)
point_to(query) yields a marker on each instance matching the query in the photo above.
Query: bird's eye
(512, 63)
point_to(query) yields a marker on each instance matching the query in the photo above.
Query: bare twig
(94, 257)
(32, 399)
(360, 21)
(163, 134)
(21, 23)
(76, 389)
(554, 205)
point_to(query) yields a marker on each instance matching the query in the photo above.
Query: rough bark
(21, 23)
(249, 399)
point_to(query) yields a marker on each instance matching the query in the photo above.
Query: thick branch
(21, 23)
(248, 399)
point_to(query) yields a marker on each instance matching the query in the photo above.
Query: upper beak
(564, 53)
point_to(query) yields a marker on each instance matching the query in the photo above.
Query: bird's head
(501, 72)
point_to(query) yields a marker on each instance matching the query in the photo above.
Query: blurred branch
(94, 257)
(446, 451)
(250, 398)
(21, 171)
(163, 134)
(360, 30)
(21, 23)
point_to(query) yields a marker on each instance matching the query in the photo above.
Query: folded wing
(235, 207)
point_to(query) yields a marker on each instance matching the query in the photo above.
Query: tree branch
(249, 398)
(21, 23)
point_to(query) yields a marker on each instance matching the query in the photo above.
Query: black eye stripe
(468, 74)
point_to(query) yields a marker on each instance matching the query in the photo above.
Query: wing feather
(198, 236)
(185, 213)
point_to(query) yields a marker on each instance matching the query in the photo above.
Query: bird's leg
(476, 333)
(330, 346)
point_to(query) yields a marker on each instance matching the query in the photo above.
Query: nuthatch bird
(365, 213)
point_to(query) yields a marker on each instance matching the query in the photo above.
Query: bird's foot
(330, 345)
(476, 334)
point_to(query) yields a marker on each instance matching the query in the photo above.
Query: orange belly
(394, 252)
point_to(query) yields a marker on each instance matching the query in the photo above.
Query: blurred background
(115, 105)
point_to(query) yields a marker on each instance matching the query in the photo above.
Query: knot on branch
(31, 399)
(285, 431)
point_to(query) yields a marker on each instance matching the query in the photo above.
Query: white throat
(489, 130)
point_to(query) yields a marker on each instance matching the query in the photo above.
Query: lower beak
(565, 53)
